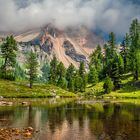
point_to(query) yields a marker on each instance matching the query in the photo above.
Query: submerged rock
(30, 129)
(28, 135)
(4, 103)
(14, 133)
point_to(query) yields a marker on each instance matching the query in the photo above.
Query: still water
(67, 119)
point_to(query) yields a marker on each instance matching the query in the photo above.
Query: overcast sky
(106, 15)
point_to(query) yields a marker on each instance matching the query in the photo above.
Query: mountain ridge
(71, 45)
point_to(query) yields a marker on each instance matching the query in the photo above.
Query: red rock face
(81, 40)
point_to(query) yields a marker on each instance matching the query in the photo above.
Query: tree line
(107, 63)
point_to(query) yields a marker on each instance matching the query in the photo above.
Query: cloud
(106, 15)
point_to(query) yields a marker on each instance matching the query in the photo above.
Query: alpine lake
(69, 119)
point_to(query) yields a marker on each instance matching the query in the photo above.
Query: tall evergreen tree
(9, 52)
(116, 77)
(110, 52)
(45, 73)
(125, 53)
(82, 74)
(93, 75)
(53, 71)
(120, 64)
(135, 47)
(70, 76)
(112, 43)
(32, 67)
(82, 69)
(108, 85)
(78, 83)
(61, 73)
(97, 59)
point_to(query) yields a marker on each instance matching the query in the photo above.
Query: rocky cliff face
(72, 45)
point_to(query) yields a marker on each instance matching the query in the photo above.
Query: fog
(105, 15)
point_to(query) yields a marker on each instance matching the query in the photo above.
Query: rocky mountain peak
(71, 45)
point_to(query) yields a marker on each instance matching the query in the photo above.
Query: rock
(1, 97)
(24, 103)
(28, 135)
(3, 103)
(17, 132)
(71, 52)
(30, 129)
(57, 97)
(9, 103)
(107, 97)
(2, 138)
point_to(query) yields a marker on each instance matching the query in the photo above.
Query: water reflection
(68, 120)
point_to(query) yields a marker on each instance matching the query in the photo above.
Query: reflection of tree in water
(115, 123)
(56, 117)
(13, 115)
(30, 116)
(98, 121)
(5, 116)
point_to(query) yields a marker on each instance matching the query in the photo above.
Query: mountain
(71, 45)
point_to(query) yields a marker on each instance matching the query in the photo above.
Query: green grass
(130, 89)
(20, 89)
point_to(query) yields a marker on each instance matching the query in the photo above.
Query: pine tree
(45, 73)
(135, 47)
(82, 74)
(93, 75)
(82, 69)
(70, 75)
(71, 85)
(19, 72)
(125, 53)
(61, 73)
(8, 52)
(32, 67)
(110, 52)
(120, 64)
(78, 83)
(108, 85)
(84, 83)
(53, 71)
(112, 43)
(116, 77)
(97, 59)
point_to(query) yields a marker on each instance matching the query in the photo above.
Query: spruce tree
(97, 59)
(70, 75)
(135, 47)
(82, 69)
(45, 73)
(115, 75)
(108, 85)
(82, 74)
(61, 73)
(32, 67)
(125, 53)
(53, 71)
(9, 53)
(78, 83)
(93, 75)
(120, 64)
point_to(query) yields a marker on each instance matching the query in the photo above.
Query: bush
(108, 85)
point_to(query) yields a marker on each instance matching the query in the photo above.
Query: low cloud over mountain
(106, 15)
